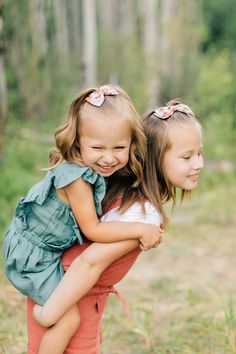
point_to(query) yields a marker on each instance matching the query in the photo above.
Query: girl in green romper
(102, 135)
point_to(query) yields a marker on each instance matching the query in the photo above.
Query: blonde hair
(67, 136)
(158, 143)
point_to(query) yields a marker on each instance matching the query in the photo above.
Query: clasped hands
(152, 237)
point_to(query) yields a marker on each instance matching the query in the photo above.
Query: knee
(38, 316)
(92, 260)
(89, 262)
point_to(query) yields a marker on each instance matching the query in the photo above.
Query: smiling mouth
(106, 168)
(193, 177)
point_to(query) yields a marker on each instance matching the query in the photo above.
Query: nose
(198, 163)
(108, 157)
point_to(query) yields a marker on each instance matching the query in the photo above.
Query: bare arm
(84, 271)
(80, 197)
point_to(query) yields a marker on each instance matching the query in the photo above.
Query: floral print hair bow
(97, 97)
(167, 111)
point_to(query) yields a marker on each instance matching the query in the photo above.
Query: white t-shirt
(135, 214)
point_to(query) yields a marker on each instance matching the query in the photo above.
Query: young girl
(174, 159)
(102, 135)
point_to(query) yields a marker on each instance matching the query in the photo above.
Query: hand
(151, 236)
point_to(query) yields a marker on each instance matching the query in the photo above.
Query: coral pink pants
(88, 337)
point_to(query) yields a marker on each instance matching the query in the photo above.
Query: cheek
(174, 173)
(85, 154)
(172, 177)
(123, 156)
(82, 152)
(126, 157)
(168, 167)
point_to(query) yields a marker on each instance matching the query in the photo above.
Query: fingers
(153, 240)
(146, 248)
(158, 242)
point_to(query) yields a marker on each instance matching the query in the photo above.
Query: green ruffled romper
(42, 228)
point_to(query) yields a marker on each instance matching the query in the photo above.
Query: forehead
(106, 111)
(185, 136)
(100, 128)
(112, 105)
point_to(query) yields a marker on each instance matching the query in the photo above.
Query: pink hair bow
(97, 97)
(167, 111)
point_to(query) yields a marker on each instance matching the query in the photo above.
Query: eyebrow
(191, 150)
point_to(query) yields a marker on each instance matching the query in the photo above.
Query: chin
(190, 188)
(106, 174)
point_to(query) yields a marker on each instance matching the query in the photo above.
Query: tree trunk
(61, 35)
(89, 43)
(109, 38)
(38, 30)
(176, 68)
(166, 19)
(3, 87)
(150, 47)
(74, 27)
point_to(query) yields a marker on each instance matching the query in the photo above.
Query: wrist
(141, 230)
(136, 230)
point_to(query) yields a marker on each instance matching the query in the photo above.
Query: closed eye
(120, 147)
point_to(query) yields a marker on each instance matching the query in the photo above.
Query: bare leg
(57, 337)
(79, 279)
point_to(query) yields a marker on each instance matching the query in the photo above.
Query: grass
(182, 295)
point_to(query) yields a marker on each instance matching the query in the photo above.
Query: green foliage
(38, 86)
(36, 82)
(212, 103)
(219, 20)
(213, 86)
(120, 61)
(23, 164)
(219, 17)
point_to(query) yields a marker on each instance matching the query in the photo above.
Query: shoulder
(68, 167)
(68, 172)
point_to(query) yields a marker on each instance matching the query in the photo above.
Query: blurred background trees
(56, 47)
(155, 49)
(3, 86)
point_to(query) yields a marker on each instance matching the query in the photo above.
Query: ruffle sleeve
(67, 172)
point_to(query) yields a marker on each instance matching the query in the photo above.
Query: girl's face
(105, 143)
(183, 161)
